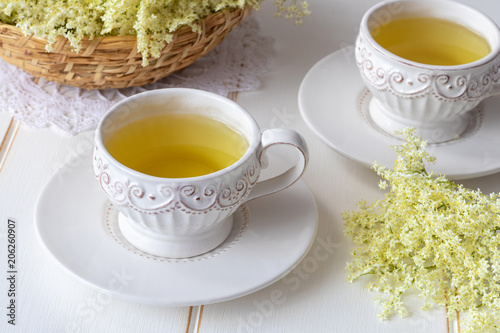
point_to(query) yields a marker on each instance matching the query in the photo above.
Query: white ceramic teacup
(433, 99)
(184, 217)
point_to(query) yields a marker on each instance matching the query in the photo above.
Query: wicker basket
(113, 62)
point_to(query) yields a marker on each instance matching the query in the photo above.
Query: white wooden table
(313, 297)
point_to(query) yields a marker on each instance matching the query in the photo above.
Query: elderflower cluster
(293, 10)
(430, 235)
(152, 21)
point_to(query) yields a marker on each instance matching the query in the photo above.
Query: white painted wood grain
(5, 120)
(314, 297)
(50, 300)
(8, 131)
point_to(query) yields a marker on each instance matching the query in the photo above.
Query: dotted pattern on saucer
(241, 220)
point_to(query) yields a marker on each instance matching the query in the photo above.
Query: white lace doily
(233, 65)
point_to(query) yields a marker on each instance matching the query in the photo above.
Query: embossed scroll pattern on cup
(185, 197)
(417, 81)
(433, 99)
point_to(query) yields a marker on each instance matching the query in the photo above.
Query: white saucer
(78, 227)
(333, 102)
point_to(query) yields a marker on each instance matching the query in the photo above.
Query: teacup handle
(280, 182)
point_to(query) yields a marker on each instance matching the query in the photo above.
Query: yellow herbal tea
(177, 145)
(431, 41)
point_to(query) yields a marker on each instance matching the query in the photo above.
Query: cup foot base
(174, 246)
(432, 132)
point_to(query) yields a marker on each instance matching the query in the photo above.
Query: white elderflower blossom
(152, 21)
(429, 235)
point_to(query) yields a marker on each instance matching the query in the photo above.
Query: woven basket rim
(180, 29)
(114, 61)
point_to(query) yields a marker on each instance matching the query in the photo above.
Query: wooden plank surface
(314, 297)
(49, 300)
